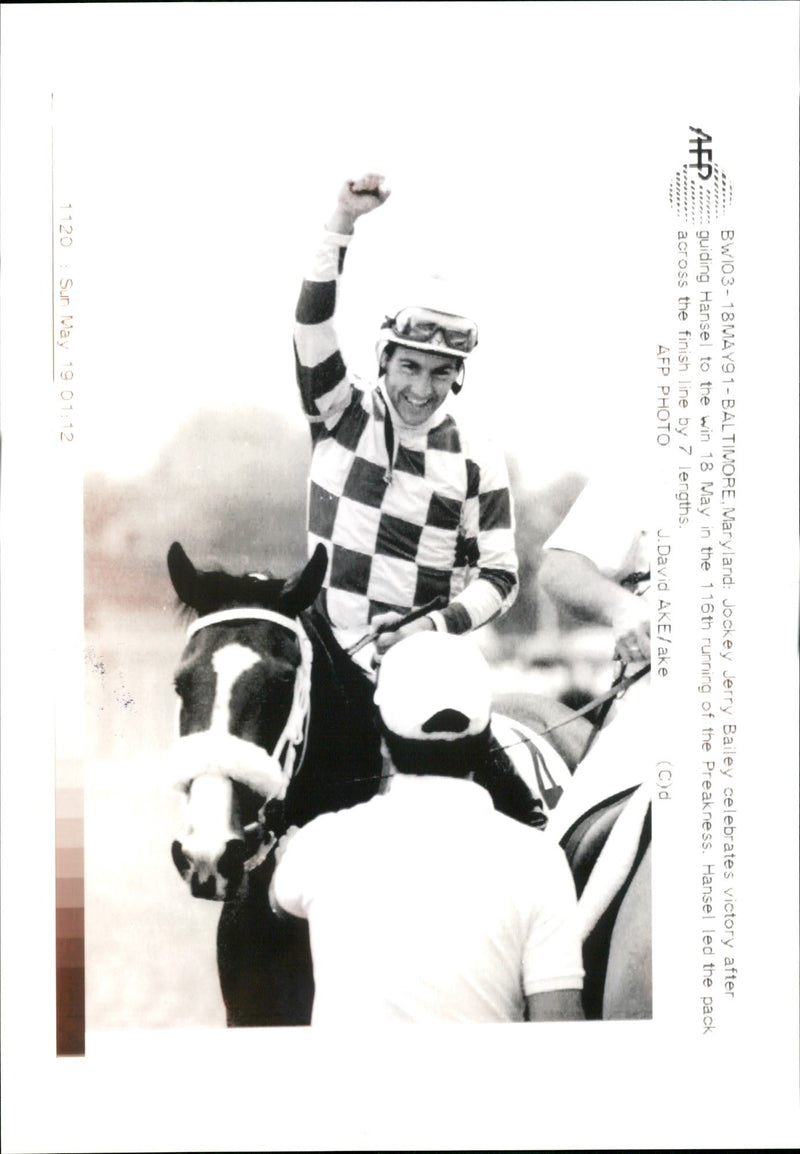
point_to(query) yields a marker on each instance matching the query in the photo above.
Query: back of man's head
(434, 700)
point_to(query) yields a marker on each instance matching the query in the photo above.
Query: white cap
(437, 291)
(434, 686)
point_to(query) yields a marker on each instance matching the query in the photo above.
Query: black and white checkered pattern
(400, 532)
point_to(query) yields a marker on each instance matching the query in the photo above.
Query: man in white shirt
(597, 562)
(425, 904)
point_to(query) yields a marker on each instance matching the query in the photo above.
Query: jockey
(409, 507)
(402, 498)
(425, 904)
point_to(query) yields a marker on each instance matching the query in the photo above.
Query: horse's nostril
(182, 862)
(206, 889)
(231, 863)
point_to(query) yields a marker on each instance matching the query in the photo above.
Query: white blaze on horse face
(209, 810)
(229, 664)
(209, 822)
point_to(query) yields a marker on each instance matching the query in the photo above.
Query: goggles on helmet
(427, 327)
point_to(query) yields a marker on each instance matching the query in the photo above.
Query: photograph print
(411, 380)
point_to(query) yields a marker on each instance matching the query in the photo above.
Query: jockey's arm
(554, 1006)
(574, 580)
(322, 377)
(489, 547)
(356, 198)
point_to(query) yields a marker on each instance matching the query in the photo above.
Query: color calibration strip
(70, 940)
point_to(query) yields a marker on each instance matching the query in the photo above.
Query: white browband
(225, 615)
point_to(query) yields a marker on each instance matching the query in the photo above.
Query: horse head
(243, 684)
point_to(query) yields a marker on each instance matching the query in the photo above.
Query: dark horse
(247, 671)
(277, 725)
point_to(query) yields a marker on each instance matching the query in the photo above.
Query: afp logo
(700, 192)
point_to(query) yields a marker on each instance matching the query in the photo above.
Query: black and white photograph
(399, 415)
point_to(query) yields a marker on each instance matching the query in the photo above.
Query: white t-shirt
(426, 905)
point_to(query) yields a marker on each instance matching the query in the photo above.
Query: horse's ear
(183, 575)
(301, 590)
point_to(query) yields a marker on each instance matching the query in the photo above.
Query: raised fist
(357, 197)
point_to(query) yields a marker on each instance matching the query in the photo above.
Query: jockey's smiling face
(418, 382)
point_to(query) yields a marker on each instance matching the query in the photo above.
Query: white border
(635, 74)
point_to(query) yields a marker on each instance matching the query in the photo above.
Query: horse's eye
(181, 683)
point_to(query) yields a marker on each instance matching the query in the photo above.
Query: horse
(276, 726)
(254, 759)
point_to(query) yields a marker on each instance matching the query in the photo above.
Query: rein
(392, 626)
(618, 689)
(633, 584)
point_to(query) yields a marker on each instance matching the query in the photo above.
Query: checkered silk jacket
(405, 513)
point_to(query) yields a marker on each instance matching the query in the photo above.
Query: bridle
(295, 731)
(290, 747)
